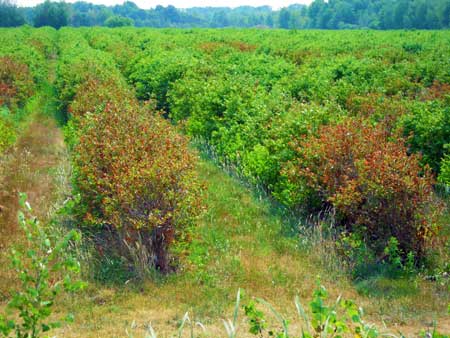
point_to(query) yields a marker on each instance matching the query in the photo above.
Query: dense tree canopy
(54, 14)
(118, 21)
(10, 15)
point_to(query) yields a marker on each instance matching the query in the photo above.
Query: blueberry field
(224, 182)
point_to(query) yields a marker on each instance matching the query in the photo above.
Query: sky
(185, 3)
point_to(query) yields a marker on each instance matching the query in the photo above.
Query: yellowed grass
(30, 167)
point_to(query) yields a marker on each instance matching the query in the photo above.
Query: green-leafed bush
(428, 129)
(444, 176)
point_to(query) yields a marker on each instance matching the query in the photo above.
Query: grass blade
(279, 317)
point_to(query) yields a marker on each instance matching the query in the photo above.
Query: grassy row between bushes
(23, 75)
(23, 67)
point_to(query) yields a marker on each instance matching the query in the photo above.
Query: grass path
(35, 166)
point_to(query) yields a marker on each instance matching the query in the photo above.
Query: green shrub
(79, 63)
(444, 176)
(153, 75)
(428, 126)
(7, 131)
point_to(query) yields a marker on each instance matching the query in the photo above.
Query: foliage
(17, 86)
(377, 190)
(132, 170)
(429, 128)
(248, 104)
(444, 176)
(338, 14)
(245, 94)
(32, 48)
(339, 319)
(49, 13)
(118, 21)
(80, 68)
(16, 82)
(255, 318)
(153, 75)
(10, 16)
(136, 174)
(95, 93)
(45, 266)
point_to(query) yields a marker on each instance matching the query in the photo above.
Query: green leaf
(70, 318)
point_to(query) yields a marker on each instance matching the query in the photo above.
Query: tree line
(320, 14)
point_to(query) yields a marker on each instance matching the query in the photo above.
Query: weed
(45, 268)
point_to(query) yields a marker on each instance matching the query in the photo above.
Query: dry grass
(33, 166)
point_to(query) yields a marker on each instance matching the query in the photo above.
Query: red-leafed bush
(94, 93)
(16, 82)
(376, 189)
(135, 174)
(436, 91)
(242, 46)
